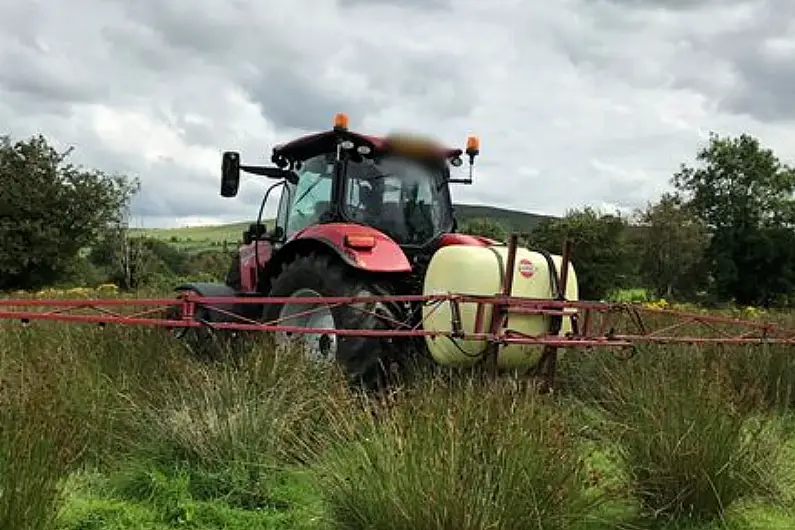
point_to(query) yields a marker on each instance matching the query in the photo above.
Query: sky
(576, 102)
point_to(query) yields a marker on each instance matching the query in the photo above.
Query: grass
(119, 428)
(689, 442)
(194, 239)
(465, 456)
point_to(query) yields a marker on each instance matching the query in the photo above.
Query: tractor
(369, 216)
(366, 266)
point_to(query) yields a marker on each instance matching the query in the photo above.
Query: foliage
(51, 210)
(671, 247)
(481, 226)
(602, 255)
(132, 261)
(228, 429)
(744, 195)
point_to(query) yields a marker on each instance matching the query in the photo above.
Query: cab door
(283, 213)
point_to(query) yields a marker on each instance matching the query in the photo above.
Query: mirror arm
(258, 170)
(271, 172)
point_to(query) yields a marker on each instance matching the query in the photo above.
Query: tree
(481, 226)
(50, 211)
(745, 196)
(602, 257)
(671, 243)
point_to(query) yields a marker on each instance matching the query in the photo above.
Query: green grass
(194, 239)
(216, 233)
(120, 429)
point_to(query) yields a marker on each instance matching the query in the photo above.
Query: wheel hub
(317, 347)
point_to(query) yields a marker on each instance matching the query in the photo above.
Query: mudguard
(351, 242)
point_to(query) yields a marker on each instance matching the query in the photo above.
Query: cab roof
(312, 144)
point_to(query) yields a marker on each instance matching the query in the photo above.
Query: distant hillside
(513, 220)
(197, 238)
(201, 238)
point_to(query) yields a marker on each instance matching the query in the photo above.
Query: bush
(455, 456)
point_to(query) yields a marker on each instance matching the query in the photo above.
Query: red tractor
(359, 215)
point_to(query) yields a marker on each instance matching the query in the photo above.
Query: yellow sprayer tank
(474, 270)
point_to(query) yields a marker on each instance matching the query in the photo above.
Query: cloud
(577, 102)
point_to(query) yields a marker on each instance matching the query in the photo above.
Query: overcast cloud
(577, 102)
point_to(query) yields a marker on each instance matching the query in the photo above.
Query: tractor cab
(389, 194)
(398, 185)
(405, 198)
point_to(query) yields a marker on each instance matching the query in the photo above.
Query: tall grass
(131, 402)
(456, 455)
(230, 429)
(683, 431)
(688, 428)
(40, 443)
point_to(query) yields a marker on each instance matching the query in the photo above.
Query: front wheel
(367, 361)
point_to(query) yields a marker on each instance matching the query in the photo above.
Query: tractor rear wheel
(366, 361)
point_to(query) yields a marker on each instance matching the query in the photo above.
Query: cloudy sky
(577, 102)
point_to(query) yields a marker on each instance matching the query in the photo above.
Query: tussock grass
(766, 375)
(456, 455)
(230, 430)
(131, 402)
(267, 440)
(40, 443)
(684, 433)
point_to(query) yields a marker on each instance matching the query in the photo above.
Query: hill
(513, 220)
(200, 238)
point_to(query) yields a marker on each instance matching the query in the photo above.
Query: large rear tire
(368, 362)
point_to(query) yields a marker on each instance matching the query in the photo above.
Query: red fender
(385, 255)
(360, 246)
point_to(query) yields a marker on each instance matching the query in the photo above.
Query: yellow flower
(752, 312)
(662, 303)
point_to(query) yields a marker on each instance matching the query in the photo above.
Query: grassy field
(197, 238)
(120, 429)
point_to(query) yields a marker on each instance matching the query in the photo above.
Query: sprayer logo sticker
(526, 268)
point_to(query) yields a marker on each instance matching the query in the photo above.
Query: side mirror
(230, 174)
